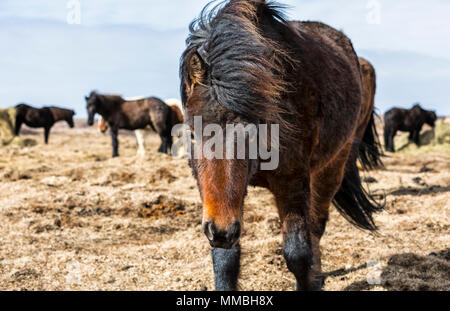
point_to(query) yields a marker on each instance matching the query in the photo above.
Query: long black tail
(370, 150)
(355, 203)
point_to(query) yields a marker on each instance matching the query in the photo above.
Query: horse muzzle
(222, 238)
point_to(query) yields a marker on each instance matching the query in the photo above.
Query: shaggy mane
(246, 70)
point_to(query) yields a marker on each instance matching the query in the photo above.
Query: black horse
(405, 120)
(131, 115)
(44, 117)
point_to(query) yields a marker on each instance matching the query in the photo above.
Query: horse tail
(370, 150)
(353, 202)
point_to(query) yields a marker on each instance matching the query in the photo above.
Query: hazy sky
(133, 47)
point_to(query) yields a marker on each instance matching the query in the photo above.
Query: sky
(54, 52)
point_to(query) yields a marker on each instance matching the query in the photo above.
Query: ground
(75, 219)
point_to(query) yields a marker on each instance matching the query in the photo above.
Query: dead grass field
(72, 218)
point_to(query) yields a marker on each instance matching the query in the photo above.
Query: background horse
(44, 117)
(177, 118)
(246, 64)
(405, 120)
(131, 115)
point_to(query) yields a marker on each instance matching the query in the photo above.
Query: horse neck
(108, 106)
(59, 115)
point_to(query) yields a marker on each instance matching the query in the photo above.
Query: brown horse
(131, 115)
(44, 117)
(245, 64)
(177, 118)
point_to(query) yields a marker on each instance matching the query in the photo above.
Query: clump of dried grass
(162, 206)
(432, 140)
(7, 125)
(160, 175)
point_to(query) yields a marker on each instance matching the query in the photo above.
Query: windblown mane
(245, 69)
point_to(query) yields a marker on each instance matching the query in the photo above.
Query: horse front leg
(293, 203)
(226, 263)
(115, 142)
(46, 134)
(391, 141)
(17, 127)
(416, 137)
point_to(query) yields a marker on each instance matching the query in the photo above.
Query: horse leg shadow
(407, 272)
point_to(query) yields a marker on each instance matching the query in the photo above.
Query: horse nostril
(233, 232)
(209, 229)
(222, 238)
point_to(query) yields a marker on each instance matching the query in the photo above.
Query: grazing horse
(44, 117)
(177, 118)
(131, 115)
(246, 64)
(405, 120)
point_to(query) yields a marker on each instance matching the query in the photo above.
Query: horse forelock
(246, 70)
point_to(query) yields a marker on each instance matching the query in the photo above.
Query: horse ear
(196, 71)
(86, 98)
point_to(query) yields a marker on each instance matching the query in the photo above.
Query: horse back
(331, 37)
(404, 119)
(333, 87)
(34, 117)
(139, 114)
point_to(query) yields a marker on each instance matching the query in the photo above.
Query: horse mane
(246, 71)
(108, 99)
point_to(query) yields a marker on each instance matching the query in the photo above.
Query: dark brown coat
(246, 64)
(406, 120)
(44, 117)
(131, 115)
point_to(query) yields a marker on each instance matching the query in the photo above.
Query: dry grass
(7, 126)
(435, 140)
(75, 219)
